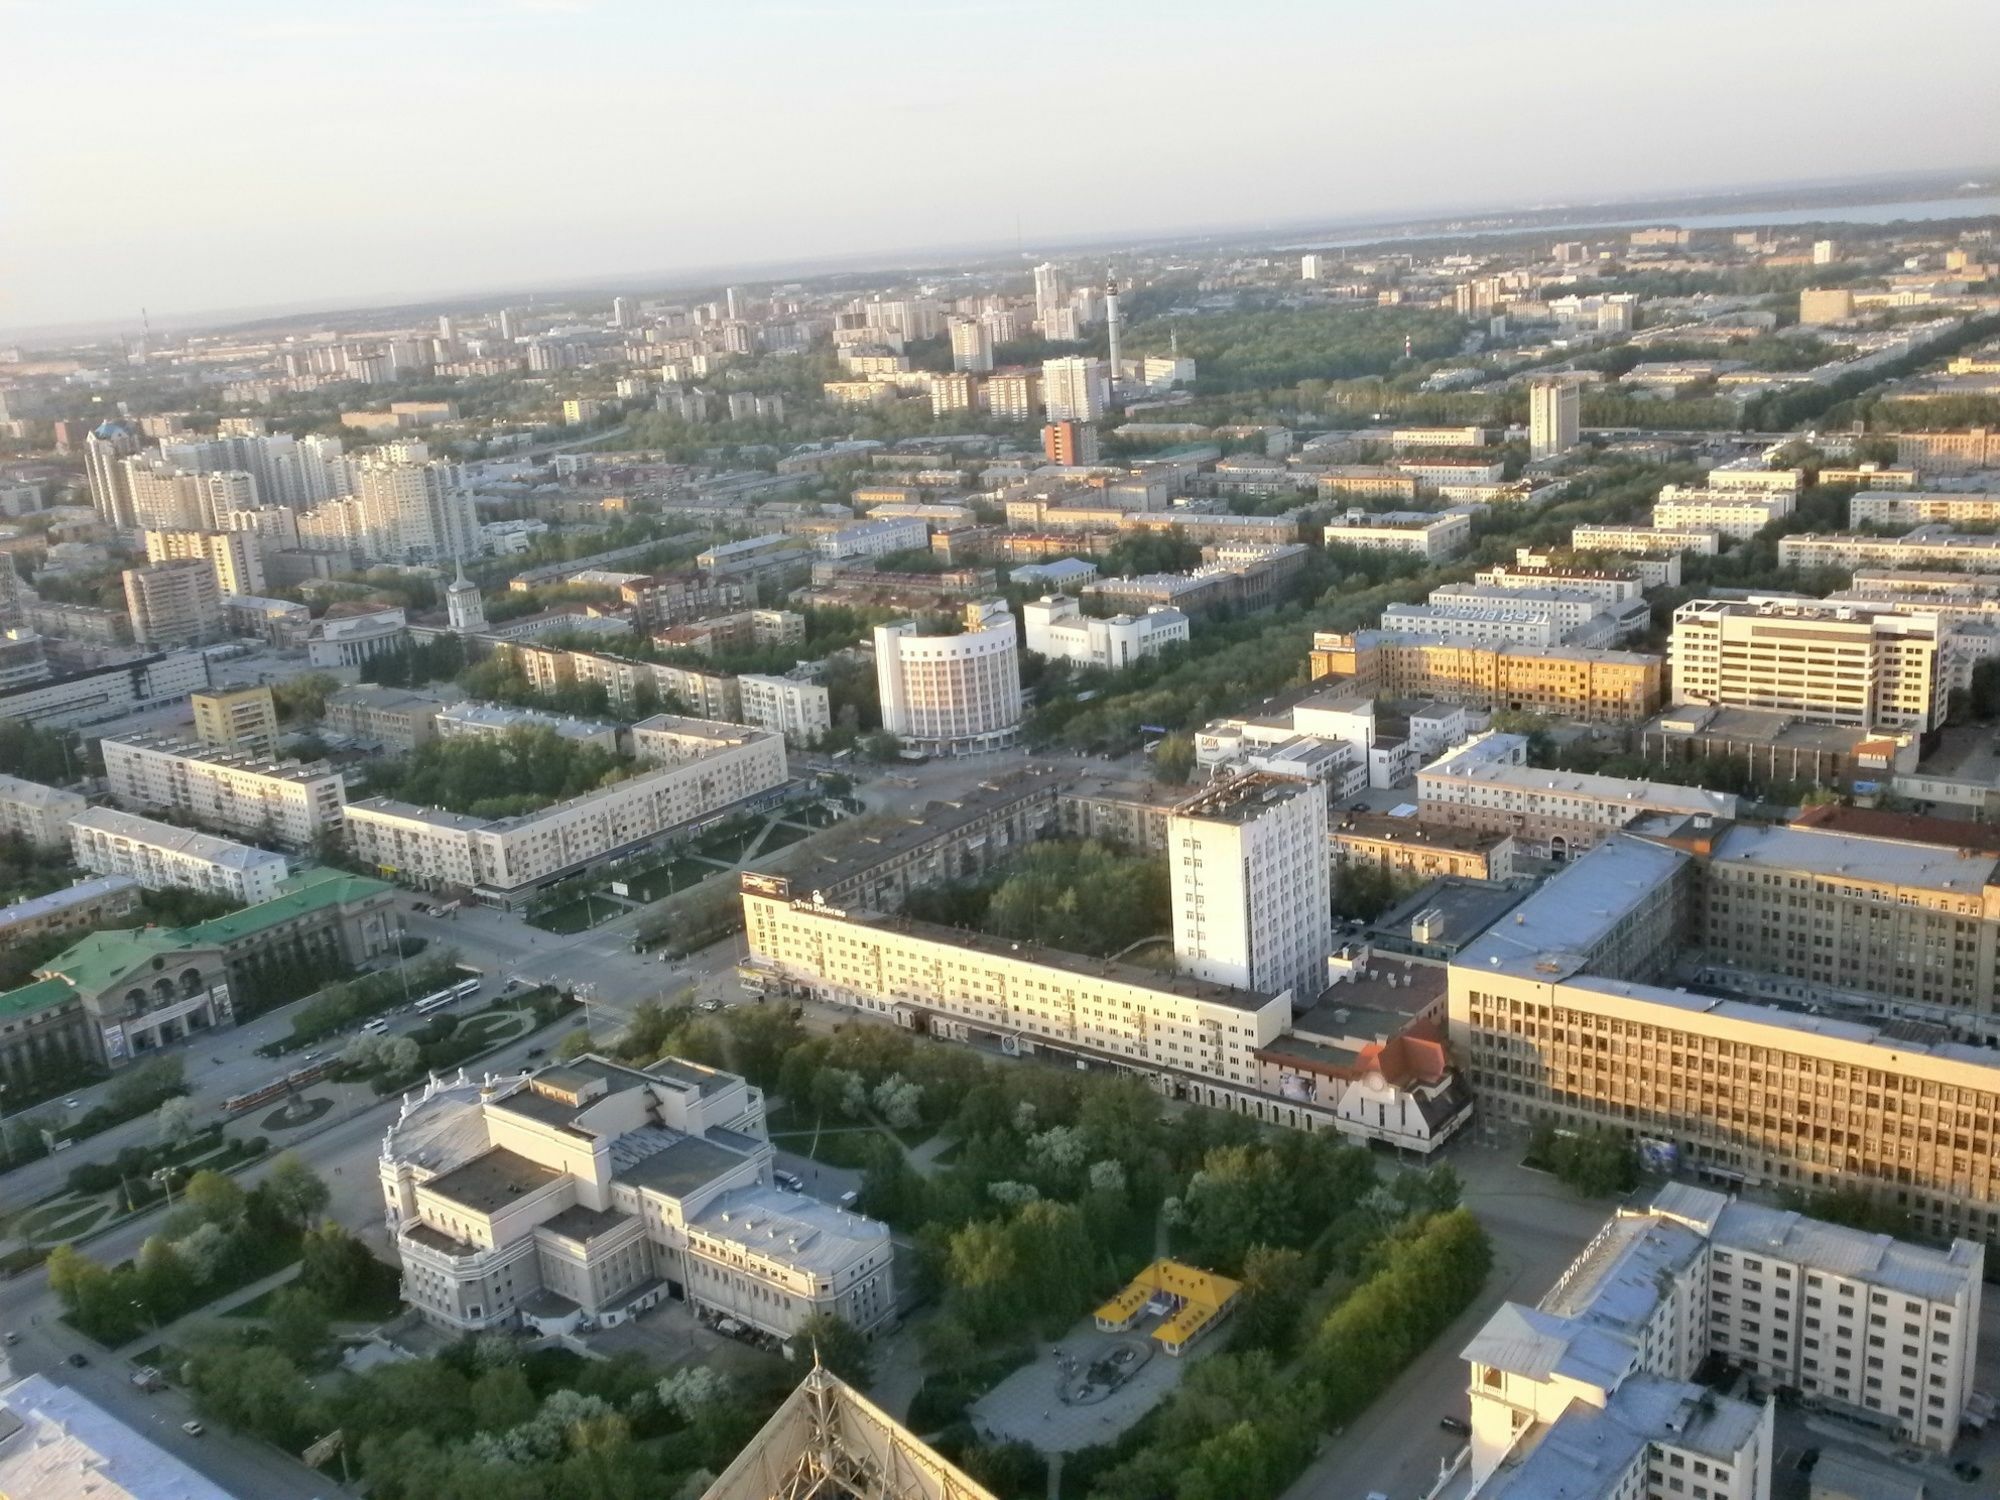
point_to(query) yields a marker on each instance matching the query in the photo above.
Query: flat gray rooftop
(1858, 857)
(688, 1164)
(1548, 935)
(1878, 1259)
(492, 1180)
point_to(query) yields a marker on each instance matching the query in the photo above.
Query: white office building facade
(1252, 894)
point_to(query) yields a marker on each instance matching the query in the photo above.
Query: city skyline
(463, 125)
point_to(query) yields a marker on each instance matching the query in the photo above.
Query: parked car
(847, 1199)
(536, 1051)
(193, 1429)
(72, 1104)
(1456, 1424)
(1967, 1470)
(76, 1361)
(790, 1180)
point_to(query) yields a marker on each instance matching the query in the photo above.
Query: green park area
(578, 914)
(599, 895)
(1053, 1187)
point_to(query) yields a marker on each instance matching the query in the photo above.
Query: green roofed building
(123, 992)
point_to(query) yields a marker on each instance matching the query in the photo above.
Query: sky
(203, 155)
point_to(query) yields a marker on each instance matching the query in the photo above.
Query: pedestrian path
(209, 1310)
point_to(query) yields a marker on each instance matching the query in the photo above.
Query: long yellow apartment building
(1618, 687)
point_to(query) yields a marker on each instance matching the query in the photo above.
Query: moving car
(76, 1361)
(193, 1429)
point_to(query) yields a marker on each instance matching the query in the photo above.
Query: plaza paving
(1028, 1406)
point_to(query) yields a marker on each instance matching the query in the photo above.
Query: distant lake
(1852, 213)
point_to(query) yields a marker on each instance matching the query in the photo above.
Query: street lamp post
(402, 959)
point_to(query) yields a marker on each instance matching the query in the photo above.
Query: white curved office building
(952, 694)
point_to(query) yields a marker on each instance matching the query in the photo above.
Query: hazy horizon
(215, 157)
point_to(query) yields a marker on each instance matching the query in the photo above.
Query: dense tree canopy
(494, 776)
(1082, 897)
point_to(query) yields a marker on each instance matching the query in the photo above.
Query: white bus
(448, 996)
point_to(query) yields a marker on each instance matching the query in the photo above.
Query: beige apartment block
(39, 814)
(954, 983)
(502, 860)
(1487, 784)
(1949, 452)
(1432, 535)
(1831, 663)
(174, 603)
(236, 556)
(161, 856)
(1645, 541)
(1928, 548)
(243, 719)
(291, 802)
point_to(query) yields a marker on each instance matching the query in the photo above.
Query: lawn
(728, 849)
(664, 880)
(378, 1302)
(62, 1220)
(838, 1142)
(782, 834)
(493, 1026)
(576, 915)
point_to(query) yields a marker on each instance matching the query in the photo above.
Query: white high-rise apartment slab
(1555, 409)
(104, 452)
(1311, 267)
(1073, 389)
(952, 694)
(971, 346)
(414, 508)
(1822, 254)
(1252, 892)
(1051, 294)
